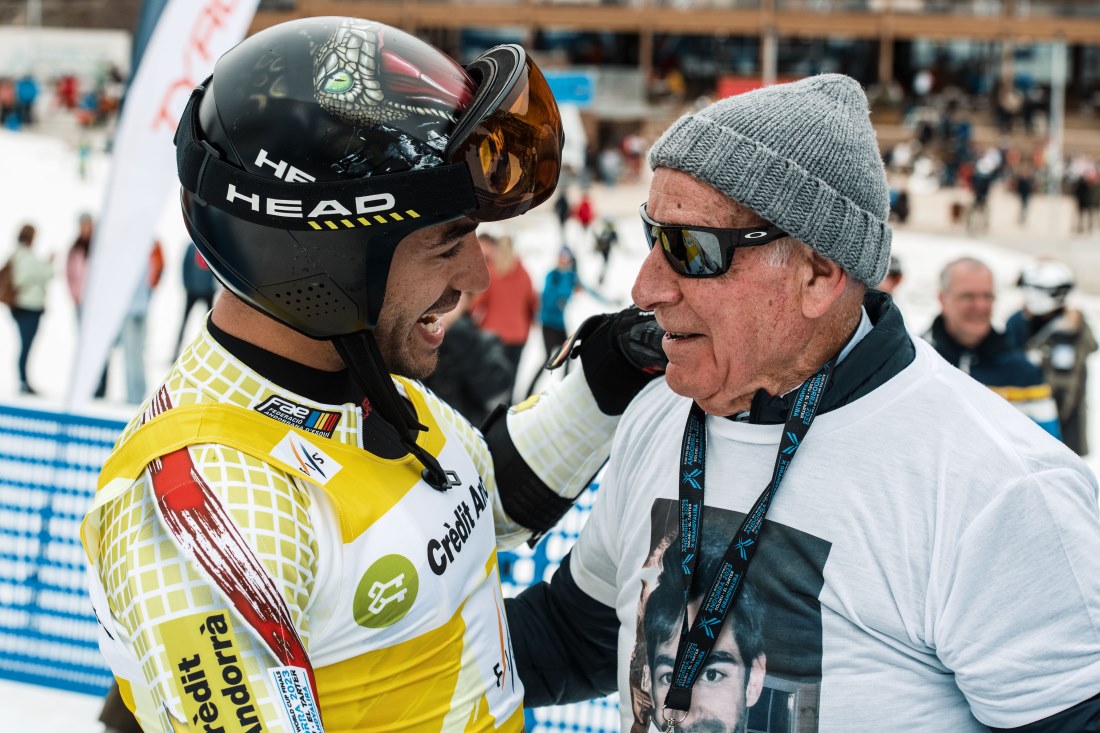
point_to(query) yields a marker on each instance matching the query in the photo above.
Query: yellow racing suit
(254, 568)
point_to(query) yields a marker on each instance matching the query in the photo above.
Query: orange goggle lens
(514, 153)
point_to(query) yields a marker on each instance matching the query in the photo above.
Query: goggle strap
(431, 193)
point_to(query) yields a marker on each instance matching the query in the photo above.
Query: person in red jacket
(508, 307)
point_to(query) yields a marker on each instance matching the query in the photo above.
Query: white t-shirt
(931, 560)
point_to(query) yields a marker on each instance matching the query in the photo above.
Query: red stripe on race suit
(203, 528)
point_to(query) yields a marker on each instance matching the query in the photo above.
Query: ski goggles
(503, 159)
(695, 251)
(510, 137)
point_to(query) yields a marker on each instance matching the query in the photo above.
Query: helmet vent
(308, 298)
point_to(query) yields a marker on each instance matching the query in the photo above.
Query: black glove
(619, 352)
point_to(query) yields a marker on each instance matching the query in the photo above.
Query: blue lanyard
(698, 641)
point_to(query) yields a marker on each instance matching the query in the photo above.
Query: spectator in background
(132, 335)
(899, 205)
(1085, 186)
(9, 114)
(1024, 183)
(76, 273)
(633, 146)
(507, 308)
(474, 373)
(963, 334)
(606, 239)
(1057, 338)
(585, 212)
(198, 284)
(977, 219)
(557, 290)
(26, 94)
(67, 92)
(29, 274)
(893, 277)
(563, 209)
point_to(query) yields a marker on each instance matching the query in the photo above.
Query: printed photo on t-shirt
(763, 674)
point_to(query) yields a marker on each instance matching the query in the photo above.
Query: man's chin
(421, 368)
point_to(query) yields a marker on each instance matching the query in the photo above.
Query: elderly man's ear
(824, 283)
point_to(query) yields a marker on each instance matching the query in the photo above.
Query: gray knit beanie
(803, 156)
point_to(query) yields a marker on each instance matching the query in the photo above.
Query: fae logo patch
(318, 422)
(299, 453)
(386, 592)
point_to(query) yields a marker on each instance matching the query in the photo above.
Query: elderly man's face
(967, 303)
(726, 336)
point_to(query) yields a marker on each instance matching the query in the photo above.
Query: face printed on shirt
(763, 671)
(725, 689)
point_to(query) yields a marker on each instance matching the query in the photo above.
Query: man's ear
(824, 284)
(755, 684)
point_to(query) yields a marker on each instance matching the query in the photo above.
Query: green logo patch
(386, 592)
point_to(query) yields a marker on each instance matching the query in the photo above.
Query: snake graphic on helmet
(350, 69)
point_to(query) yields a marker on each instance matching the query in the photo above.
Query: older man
(963, 334)
(930, 558)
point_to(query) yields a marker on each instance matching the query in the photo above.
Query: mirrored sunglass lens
(690, 252)
(704, 252)
(673, 245)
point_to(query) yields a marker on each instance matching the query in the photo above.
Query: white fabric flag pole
(189, 38)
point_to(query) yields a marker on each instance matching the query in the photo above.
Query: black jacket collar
(881, 355)
(951, 350)
(327, 388)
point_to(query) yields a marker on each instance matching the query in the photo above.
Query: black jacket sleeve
(564, 641)
(1081, 718)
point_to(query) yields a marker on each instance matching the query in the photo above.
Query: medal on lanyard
(697, 641)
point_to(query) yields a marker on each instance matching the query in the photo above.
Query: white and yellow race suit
(255, 569)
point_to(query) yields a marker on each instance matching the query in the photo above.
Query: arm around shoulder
(564, 640)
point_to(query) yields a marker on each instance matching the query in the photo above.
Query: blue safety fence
(48, 467)
(49, 462)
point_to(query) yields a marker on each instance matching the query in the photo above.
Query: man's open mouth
(430, 322)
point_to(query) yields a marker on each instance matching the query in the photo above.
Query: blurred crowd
(91, 102)
(944, 152)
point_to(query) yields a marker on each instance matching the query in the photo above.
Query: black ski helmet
(317, 145)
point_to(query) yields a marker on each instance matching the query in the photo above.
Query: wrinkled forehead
(679, 198)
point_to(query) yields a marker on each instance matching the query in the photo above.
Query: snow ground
(39, 185)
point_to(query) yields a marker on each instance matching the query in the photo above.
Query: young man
(928, 559)
(288, 538)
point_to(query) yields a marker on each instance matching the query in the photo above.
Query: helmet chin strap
(360, 352)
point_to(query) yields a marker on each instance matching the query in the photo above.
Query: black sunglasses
(695, 251)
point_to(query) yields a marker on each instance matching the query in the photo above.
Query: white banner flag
(189, 38)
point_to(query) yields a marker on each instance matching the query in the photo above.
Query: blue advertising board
(572, 87)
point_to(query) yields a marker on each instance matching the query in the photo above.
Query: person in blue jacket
(963, 334)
